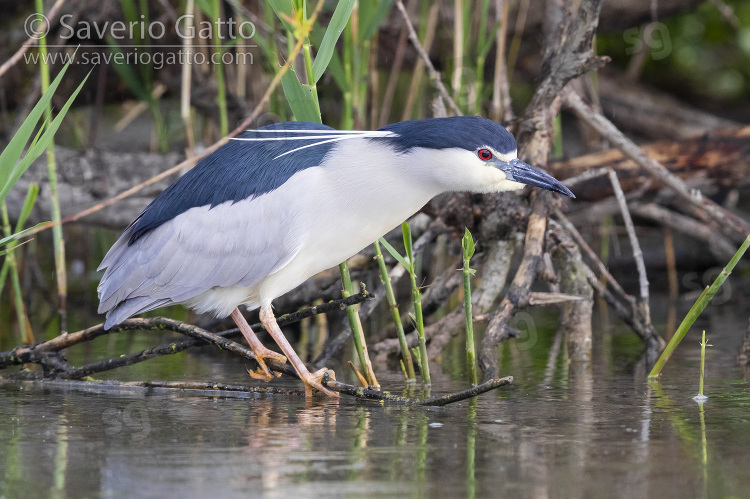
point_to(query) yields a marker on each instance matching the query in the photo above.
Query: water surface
(561, 430)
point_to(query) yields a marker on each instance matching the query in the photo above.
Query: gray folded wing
(232, 244)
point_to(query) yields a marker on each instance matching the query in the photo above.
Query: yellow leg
(261, 352)
(311, 380)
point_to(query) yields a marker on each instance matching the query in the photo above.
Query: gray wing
(232, 244)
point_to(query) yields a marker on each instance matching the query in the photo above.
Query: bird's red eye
(484, 154)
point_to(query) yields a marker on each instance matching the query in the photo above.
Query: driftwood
(709, 162)
(88, 177)
(646, 112)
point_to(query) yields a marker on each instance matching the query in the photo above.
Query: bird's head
(468, 153)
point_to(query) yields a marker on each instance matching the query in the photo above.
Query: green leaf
(17, 235)
(394, 253)
(301, 98)
(467, 243)
(206, 7)
(408, 245)
(333, 33)
(28, 205)
(284, 9)
(126, 73)
(10, 168)
(371, 17)
(41, 145)
(336, 69)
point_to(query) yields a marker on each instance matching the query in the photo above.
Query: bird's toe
(314, 380)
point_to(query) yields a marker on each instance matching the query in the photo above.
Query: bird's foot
(313, 380)
(262, 371)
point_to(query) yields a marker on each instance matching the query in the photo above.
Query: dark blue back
(238, 170)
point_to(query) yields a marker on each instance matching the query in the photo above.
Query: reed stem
(704, 344)
(357, 334)
(406, 360)
(25, 335)
(417, 299)
(221, 98)
(468, 251)
(58, 241)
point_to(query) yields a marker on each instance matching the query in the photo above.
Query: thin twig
(211, 389)
(586, 176)
(367, 393)
(33, 38)
(632, 313)
(434, 74)
(637, 253)
(720, 246)
(416, 80)
(26, 354)
(570, 228)
(501, 103)
(390, 87)
(727, 12)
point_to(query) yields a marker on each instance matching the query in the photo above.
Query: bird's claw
(262, 372)
(313, 380)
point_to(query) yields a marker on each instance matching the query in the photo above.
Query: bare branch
(33, 38)
(637, 253)
(434, 74)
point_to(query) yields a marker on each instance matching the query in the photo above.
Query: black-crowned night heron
(277, 205)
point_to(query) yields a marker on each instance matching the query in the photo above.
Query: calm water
(559, 431)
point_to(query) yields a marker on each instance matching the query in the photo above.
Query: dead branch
(721, 219)
(57, 367)
(720, 246)
(213, 389)
(650, 113)
(41, 352)
(434, 74)
(33, 38)
(715, 160)
(368, 393)
(637, 253)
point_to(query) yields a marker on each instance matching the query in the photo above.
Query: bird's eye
(484, 154)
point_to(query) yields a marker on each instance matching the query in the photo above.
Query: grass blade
(696, 310)
(10, 170)
(301, 98)
(28, 205)
(332, 35)
(394, 253)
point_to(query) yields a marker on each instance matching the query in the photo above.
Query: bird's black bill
(518, 171)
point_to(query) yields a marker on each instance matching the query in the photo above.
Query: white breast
(344, 207)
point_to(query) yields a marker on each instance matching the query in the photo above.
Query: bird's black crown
(464, 132)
